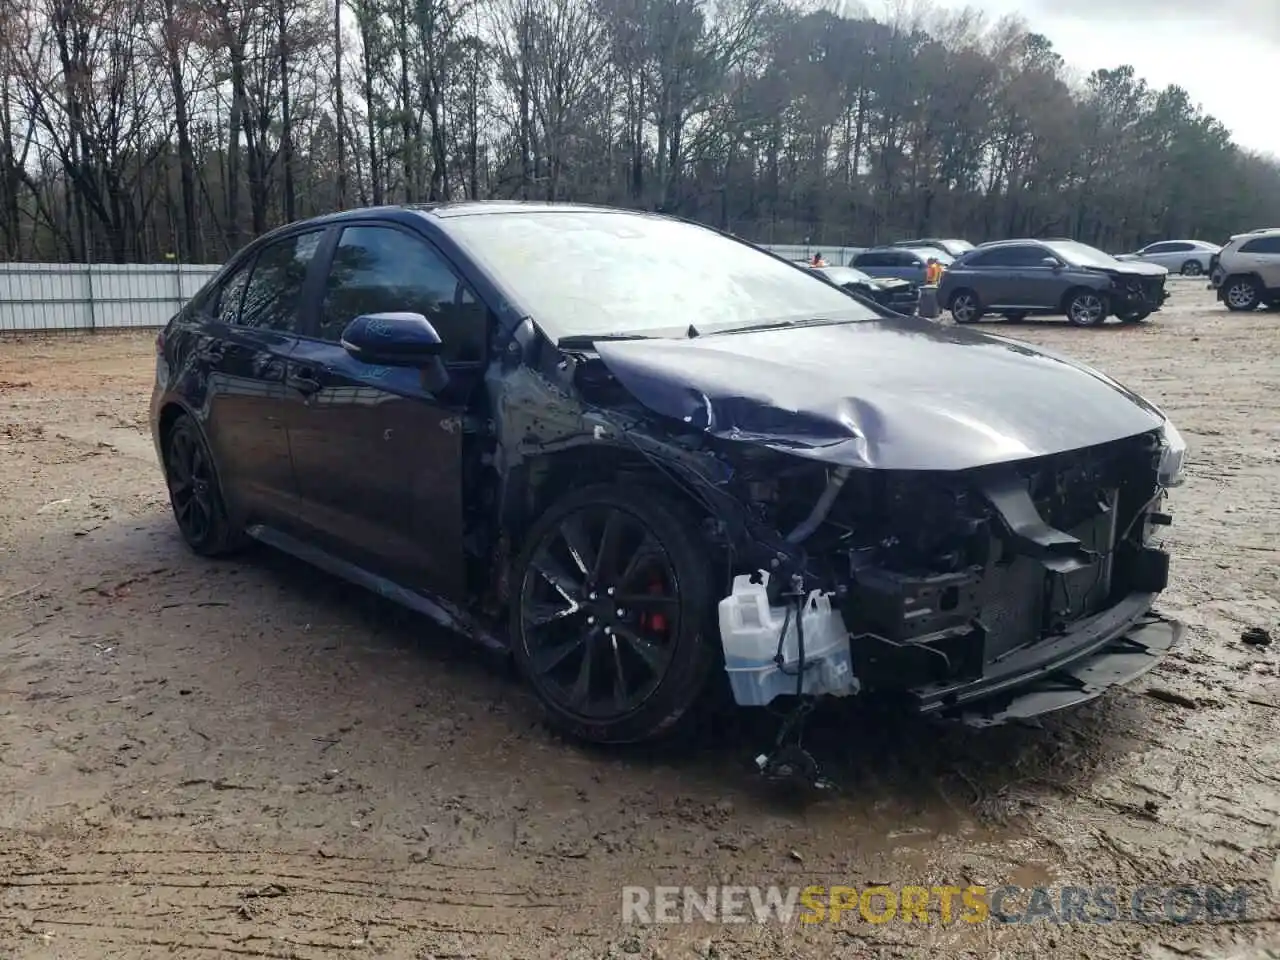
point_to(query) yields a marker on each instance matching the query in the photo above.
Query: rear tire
(611, 614)
(1192, 268)
(965, 307)
(1087, 308)
(195, 492)
(1241, 294)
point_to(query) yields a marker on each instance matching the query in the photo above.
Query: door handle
(304, 381)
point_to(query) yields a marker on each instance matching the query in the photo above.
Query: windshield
(1080, 254)
(589, 273)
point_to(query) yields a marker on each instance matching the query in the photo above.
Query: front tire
(611, 614)
(1241, 294)
(1087, 308)
(965, 307)
(195, 494)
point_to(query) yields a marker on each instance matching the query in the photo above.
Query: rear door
(378, 450)
(256, 318)
(989, 275)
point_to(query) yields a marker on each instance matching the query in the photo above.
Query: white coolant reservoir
(750, 630)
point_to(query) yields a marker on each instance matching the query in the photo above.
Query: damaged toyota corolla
(645, 456)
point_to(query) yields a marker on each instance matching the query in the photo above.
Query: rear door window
(273, 297)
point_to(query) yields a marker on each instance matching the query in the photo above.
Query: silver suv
(1247, 271)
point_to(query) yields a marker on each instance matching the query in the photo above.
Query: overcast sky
(1224, 53)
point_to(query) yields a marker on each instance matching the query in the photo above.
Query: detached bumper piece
(904, 300)
(1122, 661)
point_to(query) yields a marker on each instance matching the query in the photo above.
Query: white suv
(1247, 271)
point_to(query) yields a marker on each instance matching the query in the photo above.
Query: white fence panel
(39, 297)
(835, 256)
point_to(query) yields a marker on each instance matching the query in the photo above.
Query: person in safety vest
(933, 272)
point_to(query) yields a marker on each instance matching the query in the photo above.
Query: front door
(1034, 281)
(378, 450)
(254, 329)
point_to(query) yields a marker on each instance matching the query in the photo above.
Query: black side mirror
(392, 339)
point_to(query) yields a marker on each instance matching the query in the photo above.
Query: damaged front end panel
(958, 590)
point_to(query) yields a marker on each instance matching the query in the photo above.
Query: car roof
(449, 209)
(991, 244)
(1262, 232)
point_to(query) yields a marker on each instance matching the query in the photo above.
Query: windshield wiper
(579, 341)
(776, 325)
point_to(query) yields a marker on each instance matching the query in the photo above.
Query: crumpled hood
(1132, 265)
(903, 394)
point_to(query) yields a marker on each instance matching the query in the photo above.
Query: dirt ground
(249, 758)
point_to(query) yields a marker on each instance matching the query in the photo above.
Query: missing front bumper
(1119, 662)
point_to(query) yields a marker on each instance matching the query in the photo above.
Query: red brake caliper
(657, 622)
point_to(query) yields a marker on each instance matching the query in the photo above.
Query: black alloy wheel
(194, 493)
(610, 624)
(1192, 268)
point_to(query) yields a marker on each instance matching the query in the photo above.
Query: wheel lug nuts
(611, 591)
(591, 597)
(620, 612)
(608, 631)
(591, 619)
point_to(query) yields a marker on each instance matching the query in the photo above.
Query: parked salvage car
(1246, 273)
(902, 263)
(900, 296)
(1016, 278)
(590, 436)
(1190, 258)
